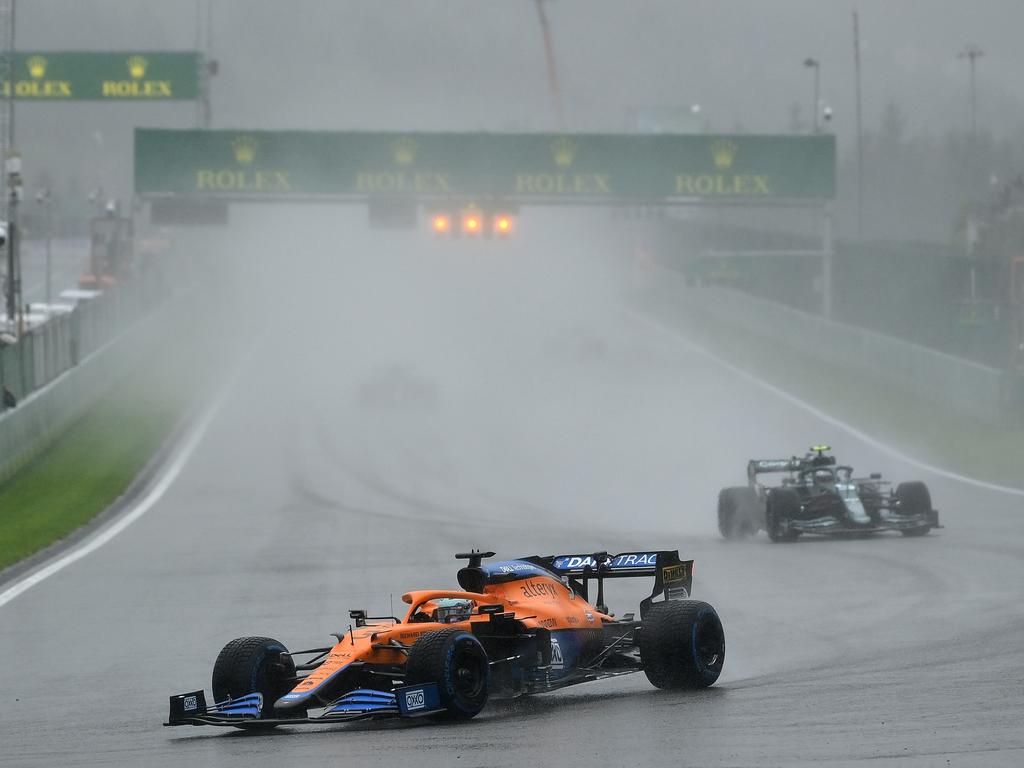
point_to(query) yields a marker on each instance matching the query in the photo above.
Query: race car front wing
(890, 521)
(247, 711)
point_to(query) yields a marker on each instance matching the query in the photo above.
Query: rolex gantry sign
(579, 168)
(103, 76)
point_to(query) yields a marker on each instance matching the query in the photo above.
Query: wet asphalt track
(301, 504)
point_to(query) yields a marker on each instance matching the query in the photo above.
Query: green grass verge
(914, 425)
(85, 469)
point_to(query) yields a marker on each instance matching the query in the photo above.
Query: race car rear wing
(816, 458)
(672, 577)
(757, 467)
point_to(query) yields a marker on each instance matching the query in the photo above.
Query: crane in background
(549, 53)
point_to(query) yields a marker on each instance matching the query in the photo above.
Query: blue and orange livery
(515, 627)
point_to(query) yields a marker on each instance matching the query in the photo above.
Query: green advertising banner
(104, 76)
(584, 168)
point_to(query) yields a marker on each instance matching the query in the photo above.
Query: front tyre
(915, 499)
(255, 665)
(682, 644)
(457, 662)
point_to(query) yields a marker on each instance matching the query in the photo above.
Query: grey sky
(479, 63)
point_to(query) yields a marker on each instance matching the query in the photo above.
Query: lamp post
(816, 66)
(43, 198)
(827, 243)
(860, 127)
(972, 53)
(12, 167)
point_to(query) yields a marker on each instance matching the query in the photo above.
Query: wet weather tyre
(682, 644)
(735, 512)
(915, 499)
(782, 508)
(255, 665)
(457, 662)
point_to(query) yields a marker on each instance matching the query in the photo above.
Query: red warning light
(442, 224)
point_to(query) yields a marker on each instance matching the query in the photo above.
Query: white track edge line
(141, 507)
(820, 414)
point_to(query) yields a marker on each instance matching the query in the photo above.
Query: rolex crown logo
(137, 67)
(723, 152)
(244, 148)
(563, 151)
(403, 151)
(36, 66)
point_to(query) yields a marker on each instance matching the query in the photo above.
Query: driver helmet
(453, 609)
(823, 476)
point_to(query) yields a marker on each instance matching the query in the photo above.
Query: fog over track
(561, 423)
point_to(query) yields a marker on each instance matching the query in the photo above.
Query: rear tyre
(255, 665)
(915, 499)
(782, 508)
(457, 662)
(682, 644)
(735, 512)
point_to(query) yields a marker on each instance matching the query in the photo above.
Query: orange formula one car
(516, 627)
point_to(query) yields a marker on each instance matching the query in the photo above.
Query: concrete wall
(958, 384)
(41, 417)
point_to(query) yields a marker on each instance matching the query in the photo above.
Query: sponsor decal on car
(539, 589)
(512, 569)
(673, 573)
(515, 567)
(633, 560)
(415, 699)
(556, 655)
(770, 464)
(191, 704)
